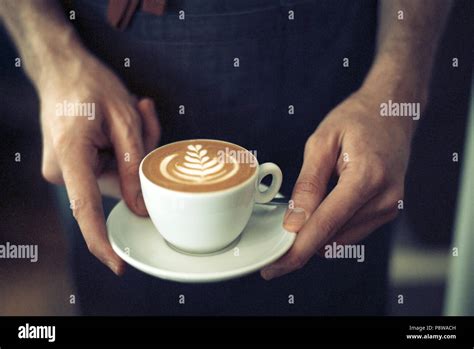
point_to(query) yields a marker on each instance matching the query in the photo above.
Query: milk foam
(197, 167)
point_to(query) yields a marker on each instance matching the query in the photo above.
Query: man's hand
(369, 154)
(78, 149)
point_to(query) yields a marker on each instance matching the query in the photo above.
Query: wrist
(393, 81)
(53, 55)
(396, 77)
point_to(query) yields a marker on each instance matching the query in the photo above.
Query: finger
(151, 126)
(337, 208)
(319, 160)
(50, 168)
(384, 204)
(125, 127)
(77, 165)
(355, 232)
(49, 164)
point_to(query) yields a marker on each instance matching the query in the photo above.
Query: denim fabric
(282, 62)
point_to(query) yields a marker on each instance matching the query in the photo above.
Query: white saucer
(137, 242)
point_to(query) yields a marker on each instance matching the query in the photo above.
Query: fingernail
(271, 273)
(294, 220)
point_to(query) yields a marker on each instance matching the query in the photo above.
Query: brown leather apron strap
(156, 7)
(120, 12)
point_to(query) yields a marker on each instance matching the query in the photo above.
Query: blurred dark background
(420, 255)
(432, 186)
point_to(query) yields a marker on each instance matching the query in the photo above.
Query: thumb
(320, 157)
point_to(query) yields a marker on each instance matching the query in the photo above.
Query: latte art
(197, 167)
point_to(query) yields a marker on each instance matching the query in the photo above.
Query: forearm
(406, 48)
(43, 36)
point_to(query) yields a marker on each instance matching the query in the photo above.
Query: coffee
(184, 184)
(199, 165)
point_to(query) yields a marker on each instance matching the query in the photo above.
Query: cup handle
(264, 170)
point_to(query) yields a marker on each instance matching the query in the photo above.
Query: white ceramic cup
(210, 221)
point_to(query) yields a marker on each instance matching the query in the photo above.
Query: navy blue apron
(237, 66)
